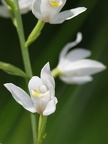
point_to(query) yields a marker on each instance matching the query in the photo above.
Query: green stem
(24, 50)
(35, 32)
(41, 128)
(55, 72)
(11, 4)
(26, 60)
(34, 123)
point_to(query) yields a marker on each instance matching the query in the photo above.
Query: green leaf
(10, 69)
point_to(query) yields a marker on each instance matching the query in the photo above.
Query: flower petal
(70, 45)
(46, 75)
(83, 67)
(48, 11)
(4, 10)
(25, 5)
(72, 56)
(51, 88)
(77, 54)
(21, 97)
(51, 107)
(76, 79)
(34, 84)
(36, 9)
(66, 15)
(41, 101)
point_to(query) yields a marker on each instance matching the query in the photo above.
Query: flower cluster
(45, 10)
(73, 65)
(42, 93)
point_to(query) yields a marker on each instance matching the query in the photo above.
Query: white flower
(48, 11)
(24, 5)
(42, 91)
(73, 66)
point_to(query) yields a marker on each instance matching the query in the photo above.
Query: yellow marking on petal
(55, 3)
(35, 93)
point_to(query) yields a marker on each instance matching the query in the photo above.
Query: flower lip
(55, 3)
(35, 93)
(43, 89)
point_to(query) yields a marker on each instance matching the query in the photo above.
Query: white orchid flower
(24, 5)
(73, 66)
(42, 91)
(48, 11)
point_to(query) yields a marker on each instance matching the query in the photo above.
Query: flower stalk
(41, 128)
(35, 33)
(11, 4)
(55, 72)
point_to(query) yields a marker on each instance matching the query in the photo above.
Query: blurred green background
(82, 112)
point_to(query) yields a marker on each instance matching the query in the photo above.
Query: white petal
(51, 88)
(77, 54)
(21, 97)
(84, 67)
(46, 75)
(41, 101)
(77, 11)
(25, 5)
(48, 11)
(72, 56)
(4, 11)
(35, 83)
(36, 9)
(76, 79)
(51, 107)
(66, 15)
(68, 46)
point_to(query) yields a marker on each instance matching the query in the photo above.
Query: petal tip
(84, 8)
(8, 85)
(79, 37)
(104, 67)
(46, 68)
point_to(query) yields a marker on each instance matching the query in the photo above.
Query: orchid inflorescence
(73, 66)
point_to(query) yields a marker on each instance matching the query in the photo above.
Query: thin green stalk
(24, 50)
(55, 72)
(41, 128)
(11, 4)
(35, 32)
(26, 60)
